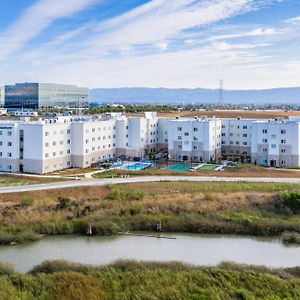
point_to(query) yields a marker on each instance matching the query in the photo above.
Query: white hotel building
(49, 145)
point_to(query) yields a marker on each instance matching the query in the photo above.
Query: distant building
(44, 95)
(2, 97)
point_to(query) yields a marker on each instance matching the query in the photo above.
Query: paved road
(103, 182)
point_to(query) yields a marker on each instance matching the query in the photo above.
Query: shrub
(63, 202)
(27, 200)
(292, 200)
(291, 237)
(6, 269)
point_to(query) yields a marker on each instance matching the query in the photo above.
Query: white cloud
(295, 20)
(35, 19)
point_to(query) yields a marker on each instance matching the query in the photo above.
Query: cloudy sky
(157, 43)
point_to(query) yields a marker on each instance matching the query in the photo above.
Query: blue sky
(250, 44)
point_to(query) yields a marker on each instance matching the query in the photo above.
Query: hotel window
(283, 141)
(68, 141)
(0, 153)
(237, 143)
(54, 143)
(265, 150)
(93, 130)
(223, 126)
(179, 138)
(186, 134)
(69, 151)
(0, 132)
(264, 131)
(273, 146)
(283, 131)
(245, 135)
(61, 152)
(179, 147)
(68, 131)
(283, 150)
(186, 142)
(179, 128)
(245, 143)
(195, 147)
(264, 140)
(0, 143)
(47, 144)
(195, 129)
(9, 133)
(86, 141)
(9, 154)
(61, 142)
(231, 134)
(46, 133)
(231, 142)
(273, 136)
(9, 144)
(245, 127)
(54, 154)
(223, 134)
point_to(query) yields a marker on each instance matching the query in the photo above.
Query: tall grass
(150, 280)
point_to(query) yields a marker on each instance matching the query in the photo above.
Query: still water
(189, 248)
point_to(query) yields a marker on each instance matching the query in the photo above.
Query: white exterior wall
(64, 142)
(194, 139)
(276, 143)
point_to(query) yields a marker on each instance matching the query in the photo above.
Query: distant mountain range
(195, 96)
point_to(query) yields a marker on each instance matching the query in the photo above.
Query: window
(283, 141)
(237, 142)
(179, 147)
(68, 131)
(179, 138)
(195, 147)
(179, 128)
(245, 135)
(186, 142)
(68, 151)
(9, 133)
(46, 133)
(61, 142)
(9, 144)
(69, 141)
(231, 134)
(245, 143)
(54, 154)
(0, 153)
(265, 150)
(223, 134)
(283, 150)
(283, 162)
(223, 126)
(231, 142)
(0, 132)
(273, 136)
(61, 152)
(264, 140)
(264, 131)
(0, 143)
(195, 129)
(54, 143)
(9, 154)
(245, 127)
(186, 134)
(47, 144)
(273, 146)
(283, 131)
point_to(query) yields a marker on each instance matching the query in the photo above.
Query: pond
(188, 248)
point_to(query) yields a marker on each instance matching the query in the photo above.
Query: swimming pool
(137, 166)
(178, 167)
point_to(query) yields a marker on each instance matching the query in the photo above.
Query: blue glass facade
(22, 95)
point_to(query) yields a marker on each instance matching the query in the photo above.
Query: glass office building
(43, 95)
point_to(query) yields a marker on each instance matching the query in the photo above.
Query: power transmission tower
(221, 91)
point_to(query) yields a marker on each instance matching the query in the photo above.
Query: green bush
(292, 200)
(6, 269)
(291, 237)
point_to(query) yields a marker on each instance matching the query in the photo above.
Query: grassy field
(265, 114)
(59, 280)
(10, 180)
(262, 209)
(241, 170)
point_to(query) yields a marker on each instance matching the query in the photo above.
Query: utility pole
(221, 91)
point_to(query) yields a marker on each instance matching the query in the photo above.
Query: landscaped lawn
(208, 167)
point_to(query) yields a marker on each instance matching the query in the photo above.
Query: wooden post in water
(89, 230)
(159, 227)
